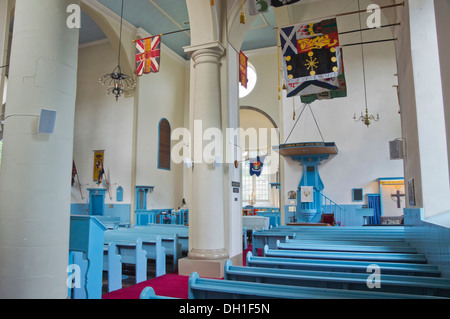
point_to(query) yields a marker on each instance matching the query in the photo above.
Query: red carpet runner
(169, 285)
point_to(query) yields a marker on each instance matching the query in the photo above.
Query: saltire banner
(243, 65)
(256, 166)
(148, 55)
(261, 6)
(311, 57)
(341, 91)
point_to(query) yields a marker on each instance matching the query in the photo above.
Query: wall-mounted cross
(398, 195)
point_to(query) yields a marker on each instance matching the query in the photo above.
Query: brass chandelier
(365, 118)
(118, 83)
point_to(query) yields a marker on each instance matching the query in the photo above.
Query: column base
(212, 268)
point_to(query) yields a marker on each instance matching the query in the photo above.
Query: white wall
(265, 94)
(161, 95)
(101, 123)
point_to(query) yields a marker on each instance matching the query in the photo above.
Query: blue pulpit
(86, 252)
(309, 191)
(97, 201)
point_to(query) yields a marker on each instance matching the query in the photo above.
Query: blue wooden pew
(345, 246)
(339, 280)
(109, 222)
(203, 288)
(149, 293)
(137, 253)
(342, 265)
(130, 251)
(340, 255)
(376, 233)
(263, 238)
(167, 229)
(169, 241)
(124, 252)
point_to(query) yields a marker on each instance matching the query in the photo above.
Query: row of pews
(153, 246)
(143, 247)
(325, 263)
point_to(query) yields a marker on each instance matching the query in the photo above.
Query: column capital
(214, 48)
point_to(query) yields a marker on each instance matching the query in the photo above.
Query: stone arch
(112, 33)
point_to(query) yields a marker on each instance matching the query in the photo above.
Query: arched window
(164, 144)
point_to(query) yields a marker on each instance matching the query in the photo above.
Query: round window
(251, 82)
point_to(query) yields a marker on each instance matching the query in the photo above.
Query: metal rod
(361, 11)
(355, 12)
(172, 32)
(368, 42)
(367, 29)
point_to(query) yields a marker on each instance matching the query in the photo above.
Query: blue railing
(331, 207)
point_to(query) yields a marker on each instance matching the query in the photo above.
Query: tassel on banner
(242, 20)
(212, 2)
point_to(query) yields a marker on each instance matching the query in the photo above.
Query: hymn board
(309, 192)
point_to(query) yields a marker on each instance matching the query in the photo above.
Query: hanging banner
(312, 60)
(148, 55)
(307, 194)
(243, 66)
(98, 165)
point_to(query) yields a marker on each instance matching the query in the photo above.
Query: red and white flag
(148, 55)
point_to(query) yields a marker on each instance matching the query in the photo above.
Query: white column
(35, 172)
(206, 220)
(4, 36)
(430, 117)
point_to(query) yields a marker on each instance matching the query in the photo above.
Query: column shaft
(35, 172)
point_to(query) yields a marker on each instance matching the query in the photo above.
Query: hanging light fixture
(365, 118)
(118, 83)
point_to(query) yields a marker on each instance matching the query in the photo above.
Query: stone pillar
(206, 220)
(36, 167)
(4, 37)
(423, 117)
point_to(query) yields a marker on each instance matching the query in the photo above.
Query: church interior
(300, 152)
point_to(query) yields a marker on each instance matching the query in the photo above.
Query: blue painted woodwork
(141, 196)
(162, 229)
(96, 201)
(112, 263)
(109, 222)
(119, 194)
(86, 247)
(263, 238)
(310, 156)
(355, 233)
(430, 236)
(338, 280)
(340, 255)
(149, 293)
(410, 269)
(132, 250)
(203, 288)
(169, 240)
(365, 214)
(353, 246)
(274, 215)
